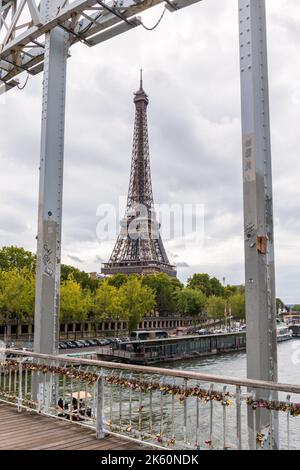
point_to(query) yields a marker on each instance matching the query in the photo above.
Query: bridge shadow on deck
(30, 431)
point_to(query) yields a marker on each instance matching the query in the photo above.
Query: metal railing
(160, 407)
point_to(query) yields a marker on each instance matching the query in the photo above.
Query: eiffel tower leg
(51, 185)
(258, 208)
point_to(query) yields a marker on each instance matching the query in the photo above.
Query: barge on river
(173, 349)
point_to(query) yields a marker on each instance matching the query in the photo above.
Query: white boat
(284, 333)
(293, 322)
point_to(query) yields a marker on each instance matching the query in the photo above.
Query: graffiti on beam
(47, 263)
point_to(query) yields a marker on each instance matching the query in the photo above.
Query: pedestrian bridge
(75, 403)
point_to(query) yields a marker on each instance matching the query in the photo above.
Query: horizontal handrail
(259, 384)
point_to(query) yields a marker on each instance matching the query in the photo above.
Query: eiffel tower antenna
(139, 247)
(141, 78)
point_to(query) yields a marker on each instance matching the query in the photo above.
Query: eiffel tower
(139, 248)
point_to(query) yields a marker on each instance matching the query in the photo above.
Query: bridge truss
(37, 37)
(24, 23)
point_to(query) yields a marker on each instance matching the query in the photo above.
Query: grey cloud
(76, 259)
(182, 264)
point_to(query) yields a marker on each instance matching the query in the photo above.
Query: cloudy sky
(191, 73)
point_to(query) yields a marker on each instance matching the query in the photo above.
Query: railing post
(100, 434)
(238, 419)
(20, 391)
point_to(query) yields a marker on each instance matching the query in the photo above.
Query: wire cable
(25, 83)
(155, 26)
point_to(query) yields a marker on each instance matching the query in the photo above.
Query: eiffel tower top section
(139, 248)
(140, 186)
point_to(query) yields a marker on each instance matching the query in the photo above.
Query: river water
(234, 364)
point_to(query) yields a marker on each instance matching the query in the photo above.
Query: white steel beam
(51, 186)
(258, 202)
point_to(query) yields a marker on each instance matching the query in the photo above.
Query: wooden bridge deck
(30, 431)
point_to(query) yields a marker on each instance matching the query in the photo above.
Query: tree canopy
(74, 302)
(106, 302)
(136, 301)
(209, 286)
(190, 302)
(17, 293)
(237, 305)
(118, 296)
(12, 257)
(215, 307)
(164, 287)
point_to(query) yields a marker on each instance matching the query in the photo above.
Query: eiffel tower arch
(139, 248)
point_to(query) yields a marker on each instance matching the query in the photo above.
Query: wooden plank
(33, 431)
(54, 443)
(84, 440)
(30, 428)
(60, 444)
(18, 434)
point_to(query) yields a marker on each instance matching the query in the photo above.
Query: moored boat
(293, 322)
(284, 333)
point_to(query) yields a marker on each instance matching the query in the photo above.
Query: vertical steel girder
(51, 186)
(258, 200)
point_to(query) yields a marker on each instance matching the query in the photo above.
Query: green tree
(17, 292)
(74, 302)
(216, 287)
(215, 307)
(209, 286)
(13, 257)
(237, 305)
(106, 302)
(117, 280)
(229, 291)
(190, 302)
(136, 301)
(200, 281)
(83, 278)
(164, 287)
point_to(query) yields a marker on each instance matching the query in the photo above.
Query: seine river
(234, 364)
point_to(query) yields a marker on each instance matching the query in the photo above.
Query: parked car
(103, 342)
(83, 343)
(203, 331)
(62, 345)
(93, 342)
(71, 344)
(125, 339)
